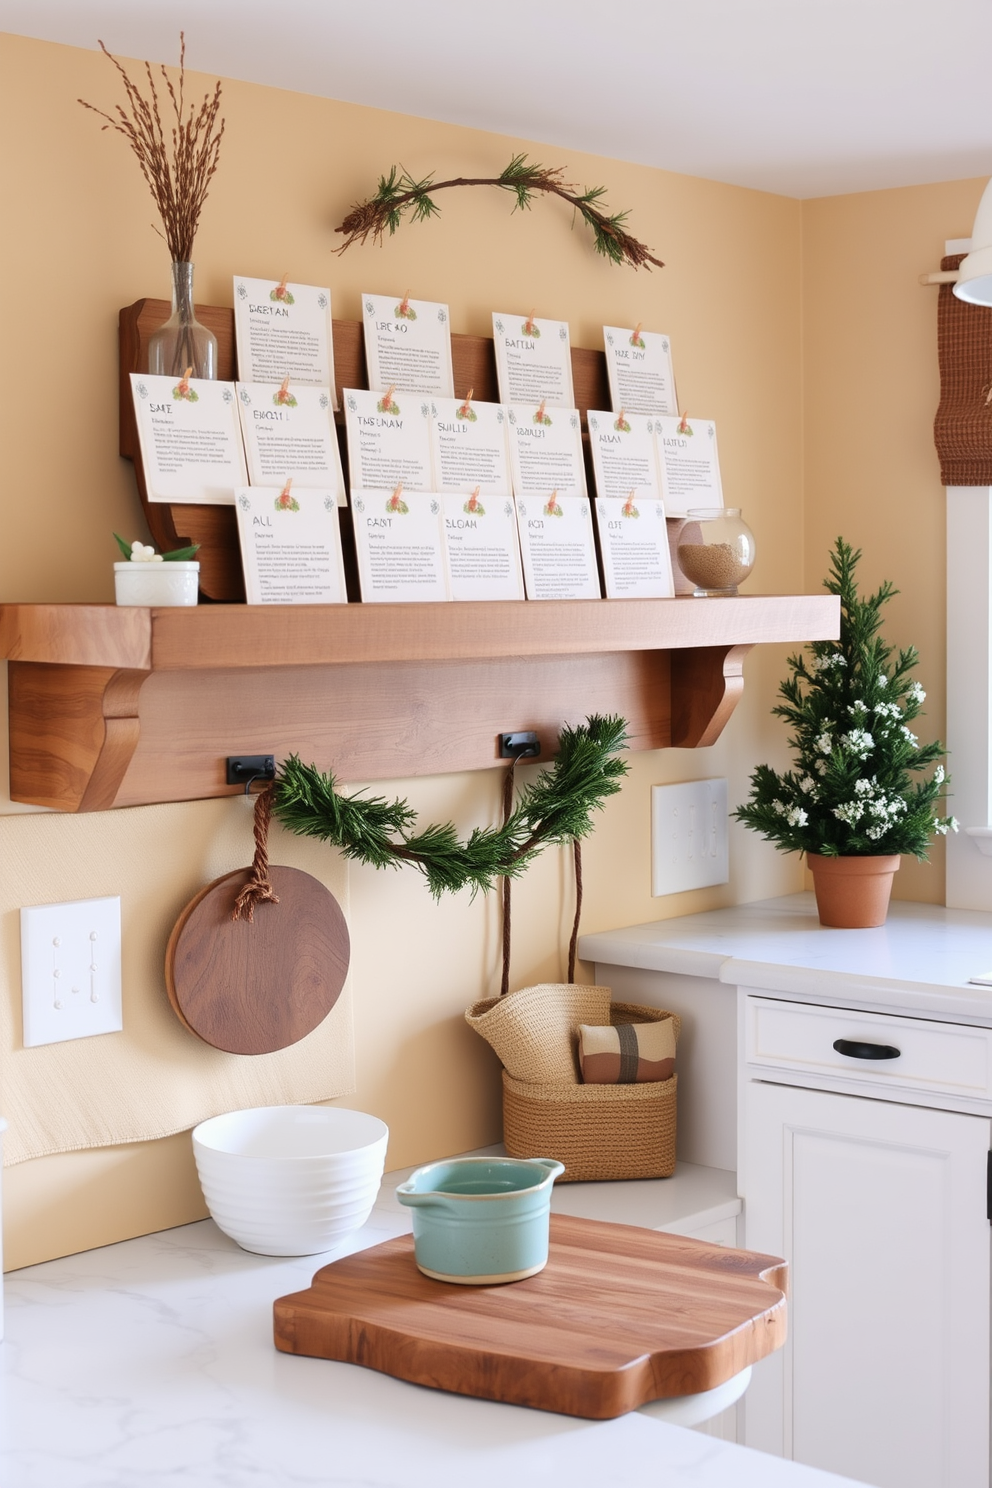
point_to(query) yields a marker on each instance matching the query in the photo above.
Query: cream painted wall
(79, 245)
(871, 391)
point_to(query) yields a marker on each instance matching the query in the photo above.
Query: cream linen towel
(155, 1078)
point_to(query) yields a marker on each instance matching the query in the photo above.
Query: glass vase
(182, 341)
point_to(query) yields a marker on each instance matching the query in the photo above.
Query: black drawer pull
(855, 1050)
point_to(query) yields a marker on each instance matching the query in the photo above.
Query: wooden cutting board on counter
(619, 1316)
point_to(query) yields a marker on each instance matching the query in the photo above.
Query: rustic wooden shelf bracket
(73, 732)
(707, 684)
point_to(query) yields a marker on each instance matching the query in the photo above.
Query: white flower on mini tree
(862, 792)
(859, 742)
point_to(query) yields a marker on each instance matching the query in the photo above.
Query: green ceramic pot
(481, 1220)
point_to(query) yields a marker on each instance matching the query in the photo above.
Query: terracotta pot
(852, 893)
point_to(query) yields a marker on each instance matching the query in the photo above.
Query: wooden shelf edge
(224, 637)
(77, 634)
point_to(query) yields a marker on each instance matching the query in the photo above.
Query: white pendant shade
(974, 282)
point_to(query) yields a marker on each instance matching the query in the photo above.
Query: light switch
(689, 848)
(71, 970)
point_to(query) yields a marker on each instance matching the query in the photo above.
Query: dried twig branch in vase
(399, 192)
(178, 160)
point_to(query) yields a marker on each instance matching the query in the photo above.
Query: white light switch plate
(71, 970)
(689, 836)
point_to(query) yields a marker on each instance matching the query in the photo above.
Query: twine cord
(506, 884)
(258, 889)
(506, 891)
(573, 942)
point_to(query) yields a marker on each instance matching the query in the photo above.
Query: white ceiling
(802, 97)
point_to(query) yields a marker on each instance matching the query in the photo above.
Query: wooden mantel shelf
(119, 707)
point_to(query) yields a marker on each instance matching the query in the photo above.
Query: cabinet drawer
(936, 1057)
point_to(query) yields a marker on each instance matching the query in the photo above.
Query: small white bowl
(290, 1180)
(158, 584)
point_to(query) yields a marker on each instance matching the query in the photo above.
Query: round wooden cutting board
(253, 988)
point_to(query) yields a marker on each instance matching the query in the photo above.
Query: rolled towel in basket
(627, 1053)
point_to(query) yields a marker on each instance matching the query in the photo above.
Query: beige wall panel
(871, 392)
(77, 1200)
(291, 167)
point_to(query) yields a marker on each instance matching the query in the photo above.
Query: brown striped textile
(627, 1053)
(962, 429)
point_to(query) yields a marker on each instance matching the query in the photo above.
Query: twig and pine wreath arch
(400, 194)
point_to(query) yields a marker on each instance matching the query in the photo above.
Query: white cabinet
(881, 1210)
(869, 1174)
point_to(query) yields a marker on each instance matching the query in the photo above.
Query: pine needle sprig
(178, 160)
(400, 193)
(558, 806)
(849, 705)
(555, 808)
(308, 804)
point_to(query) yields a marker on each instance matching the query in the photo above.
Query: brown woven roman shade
(962, 429)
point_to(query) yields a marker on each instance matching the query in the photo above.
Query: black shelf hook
(245, 769)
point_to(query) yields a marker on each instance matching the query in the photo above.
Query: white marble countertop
(918, 962)
(152, 1362)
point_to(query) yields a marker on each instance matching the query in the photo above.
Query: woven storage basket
(534, 1030)
(597, 1131)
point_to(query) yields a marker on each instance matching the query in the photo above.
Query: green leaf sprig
(555, 808)
(400, 193)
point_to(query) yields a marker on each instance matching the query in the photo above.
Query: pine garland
(555, 808)
(400, 193)
(850, 704)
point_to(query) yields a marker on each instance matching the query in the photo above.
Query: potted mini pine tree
(857, 797)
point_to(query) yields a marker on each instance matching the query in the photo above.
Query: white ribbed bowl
(290, 1180)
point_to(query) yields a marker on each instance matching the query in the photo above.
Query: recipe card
(546, 451)
(639, 368)
(690, 466)
(633, 539)
(408, 345)
(284, 330)
(624, 455)
(190, 439)
(533, 360)
(289, 433)
(389, 440)
(557, 547)
(468, 442)
(291, 545)
(399, 539)
(482, 546)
